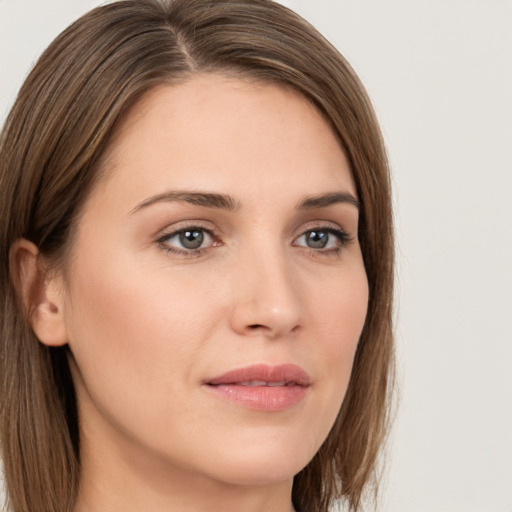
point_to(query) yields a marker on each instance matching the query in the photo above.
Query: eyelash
(189, 253)
(342, 236)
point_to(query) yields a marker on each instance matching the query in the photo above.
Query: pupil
(191, 239)
(317, 239)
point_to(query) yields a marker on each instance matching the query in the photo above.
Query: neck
(111, 495)
(115, 483)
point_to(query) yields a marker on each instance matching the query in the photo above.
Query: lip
(262, 387)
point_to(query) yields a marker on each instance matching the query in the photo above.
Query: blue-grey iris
(191, 239)
(317, 239)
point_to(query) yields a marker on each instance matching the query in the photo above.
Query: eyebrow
(325, 200)
(226, 202)
(209, 200)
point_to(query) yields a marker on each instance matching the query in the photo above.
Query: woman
(197, 257)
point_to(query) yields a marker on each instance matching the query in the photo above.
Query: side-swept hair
(50, 147)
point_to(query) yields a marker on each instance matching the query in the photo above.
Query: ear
(41, 294)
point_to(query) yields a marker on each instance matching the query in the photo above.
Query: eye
(325, 239)
(191, 239)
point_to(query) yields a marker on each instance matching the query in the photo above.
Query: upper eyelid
(321, 224)
(213, 229)
(338, 232)
(178, 227)
(163, 239)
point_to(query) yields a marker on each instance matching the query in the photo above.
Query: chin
(254, 474)
(262, 464)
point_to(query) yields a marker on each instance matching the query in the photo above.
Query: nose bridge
(268, 298)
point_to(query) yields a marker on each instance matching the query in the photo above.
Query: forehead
(217, 131)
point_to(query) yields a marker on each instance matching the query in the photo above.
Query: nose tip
(267, 303)
(255, 318)
(276, 325)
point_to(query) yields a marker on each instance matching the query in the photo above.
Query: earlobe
(41, 295)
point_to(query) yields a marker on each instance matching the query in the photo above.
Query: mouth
(262, 387)
(264, 383)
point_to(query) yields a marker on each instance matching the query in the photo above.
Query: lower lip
(261, 398)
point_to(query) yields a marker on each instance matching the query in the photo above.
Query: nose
(267, 299)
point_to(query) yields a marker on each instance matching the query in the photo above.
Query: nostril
(255, 327)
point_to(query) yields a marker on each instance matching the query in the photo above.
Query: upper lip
(284, 374)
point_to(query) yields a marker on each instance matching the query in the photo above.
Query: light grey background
(440, 75)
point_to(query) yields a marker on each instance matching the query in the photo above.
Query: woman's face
(215, 291)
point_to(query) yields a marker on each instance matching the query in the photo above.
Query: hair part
(50, 156)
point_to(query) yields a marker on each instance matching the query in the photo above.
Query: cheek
(339, 310)
(133, 335)
(121, 300)
(338, 320)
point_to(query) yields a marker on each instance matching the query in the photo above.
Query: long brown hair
(50, 149)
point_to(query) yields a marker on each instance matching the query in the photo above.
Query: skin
(148, 321)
